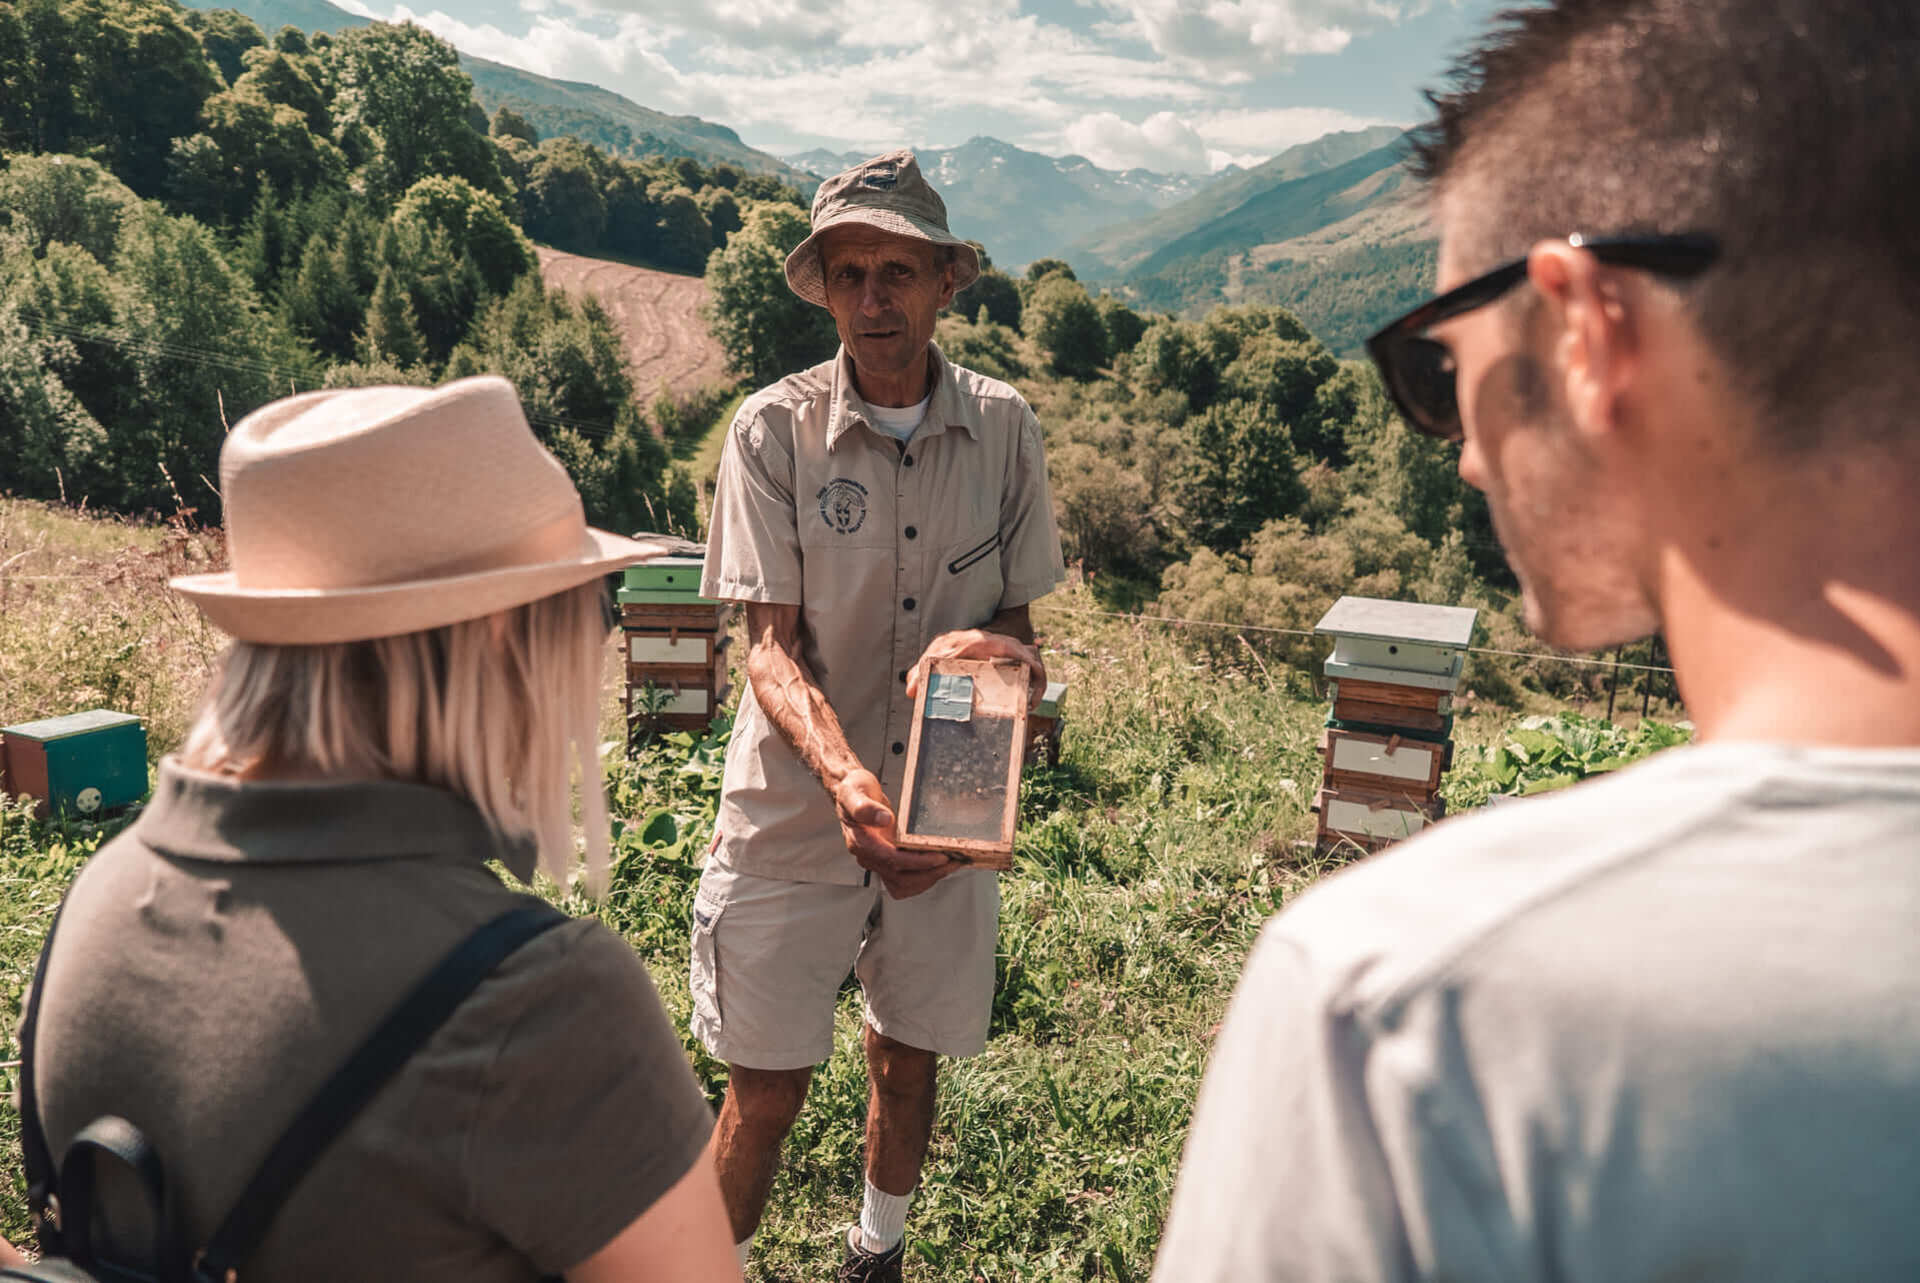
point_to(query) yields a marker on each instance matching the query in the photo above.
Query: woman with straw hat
(414, 683)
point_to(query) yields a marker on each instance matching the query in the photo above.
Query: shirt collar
(195, 815)
(946, 410)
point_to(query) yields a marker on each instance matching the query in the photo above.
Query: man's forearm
(1015, 622)
(792, 699)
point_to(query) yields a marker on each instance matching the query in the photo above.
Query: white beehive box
(1397, 639)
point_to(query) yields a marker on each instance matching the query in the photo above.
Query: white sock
(883, 1219)
(744, 1248)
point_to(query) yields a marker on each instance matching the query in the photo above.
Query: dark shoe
(862, 1266)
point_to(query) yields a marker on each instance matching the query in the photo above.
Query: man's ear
(1593, 331)
(949, 273)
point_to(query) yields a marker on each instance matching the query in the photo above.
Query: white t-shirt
(1663, 1026)
(900, 422)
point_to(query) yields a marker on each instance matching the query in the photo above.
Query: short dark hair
(1788, 129)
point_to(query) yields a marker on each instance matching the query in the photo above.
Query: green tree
(65, 198)
(995, 291)
(764, 328)
(289, 80)
(321, 304)
(1062, 319)
(1239, 472)
(1170, 358)
(1124, 326)
(722, 213)
(475, 221)
(1041, 268)
(564, 199)
(264, 146)
(392, 334)
(508, 123)
(226, 35)
(404, 86)
(682, 236)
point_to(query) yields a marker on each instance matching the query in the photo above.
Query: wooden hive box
(1373, 815)
(680, 574)
(1388, 763)
(80, 764)
(677, 647)
(1406, 636)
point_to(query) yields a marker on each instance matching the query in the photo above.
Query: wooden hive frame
(999, 691)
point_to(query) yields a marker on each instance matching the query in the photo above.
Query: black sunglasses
(1418, 372)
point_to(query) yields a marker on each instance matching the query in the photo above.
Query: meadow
(1175, 823)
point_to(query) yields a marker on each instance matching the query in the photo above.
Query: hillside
(657, 315)
(1023, 205)
(1121, 249)
(554, 107)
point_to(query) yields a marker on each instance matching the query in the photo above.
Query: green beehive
(82, 764)
(664, 581)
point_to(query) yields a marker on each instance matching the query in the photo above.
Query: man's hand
(866, 821)
(979, 643)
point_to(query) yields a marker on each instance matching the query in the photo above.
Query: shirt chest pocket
(969, 575)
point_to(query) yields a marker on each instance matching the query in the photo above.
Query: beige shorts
(769, 957)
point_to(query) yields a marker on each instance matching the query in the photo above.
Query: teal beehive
(81, 764)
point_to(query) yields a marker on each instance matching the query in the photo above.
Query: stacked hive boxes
(676, 646)
(1393, 671)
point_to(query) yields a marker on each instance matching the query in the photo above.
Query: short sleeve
(1030, 560)
(1284, 1176)
(753, 540)
(590, 1112)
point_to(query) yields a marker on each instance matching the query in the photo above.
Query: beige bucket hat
(890, 193)
(372, 512)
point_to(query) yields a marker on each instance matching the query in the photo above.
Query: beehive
(1392, 675)
(676, 646)
(81, 764)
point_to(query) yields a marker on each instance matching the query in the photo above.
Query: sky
(1178, 86)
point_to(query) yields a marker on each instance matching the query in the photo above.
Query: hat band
(559, 539)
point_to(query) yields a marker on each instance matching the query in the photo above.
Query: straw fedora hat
(888, 192)
(372, 512)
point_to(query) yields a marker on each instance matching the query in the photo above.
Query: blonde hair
(501, 710)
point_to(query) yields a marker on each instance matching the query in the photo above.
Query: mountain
(1121, 248)
(622, 126)
(1023, 205)
(1334, 231)
(554, 107)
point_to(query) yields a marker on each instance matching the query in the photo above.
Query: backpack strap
(115, 1139)
(35, 1155)
(405, 1030)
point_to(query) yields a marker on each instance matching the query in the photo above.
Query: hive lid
(1411, 621)
(59, 728)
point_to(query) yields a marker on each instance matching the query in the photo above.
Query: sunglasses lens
(1423, 375)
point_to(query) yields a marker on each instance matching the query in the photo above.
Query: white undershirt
(900, 422)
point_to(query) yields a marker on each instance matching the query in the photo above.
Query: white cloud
(1161, 142)
(1262, 133)
(1233, 39)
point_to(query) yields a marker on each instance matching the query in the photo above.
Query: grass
(1175, 823)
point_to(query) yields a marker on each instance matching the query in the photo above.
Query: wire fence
(1178, 621)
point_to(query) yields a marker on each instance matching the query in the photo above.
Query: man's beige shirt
(883, 547)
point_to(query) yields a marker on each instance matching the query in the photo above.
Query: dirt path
(657, 312)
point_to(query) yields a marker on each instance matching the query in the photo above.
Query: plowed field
(658, 314)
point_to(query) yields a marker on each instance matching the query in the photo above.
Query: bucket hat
(372, 512)
(890, 193)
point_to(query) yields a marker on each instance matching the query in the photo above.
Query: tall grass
(1174, 824)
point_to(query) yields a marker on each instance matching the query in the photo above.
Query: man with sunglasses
(1666, 1025)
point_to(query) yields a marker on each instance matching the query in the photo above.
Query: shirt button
(907, 604)
(898, 748)
(912, 533)
(908, 460)
(903, 677)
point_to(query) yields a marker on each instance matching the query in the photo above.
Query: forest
(197, 217)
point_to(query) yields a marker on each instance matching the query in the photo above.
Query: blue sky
(1173, 85)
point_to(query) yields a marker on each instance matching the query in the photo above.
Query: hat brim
(326, 616)
(803, 265)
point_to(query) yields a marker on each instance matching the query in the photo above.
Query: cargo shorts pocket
(704, 968)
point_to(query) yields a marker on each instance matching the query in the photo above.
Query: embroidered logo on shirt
(843, 505)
